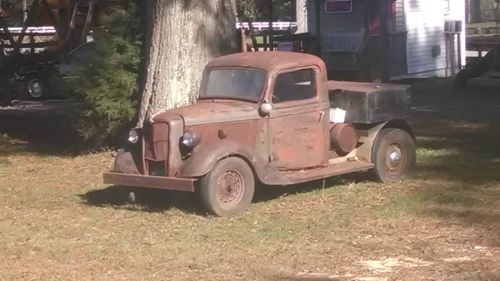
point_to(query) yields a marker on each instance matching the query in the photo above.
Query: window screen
(297, 85)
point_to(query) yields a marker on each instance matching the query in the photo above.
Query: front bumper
(176, 184)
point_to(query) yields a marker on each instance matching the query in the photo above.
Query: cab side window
(296, 85)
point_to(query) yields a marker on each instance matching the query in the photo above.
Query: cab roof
(268, 61)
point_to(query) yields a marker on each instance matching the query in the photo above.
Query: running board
(332, 170)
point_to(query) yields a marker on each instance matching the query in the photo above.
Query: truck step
(332, 170)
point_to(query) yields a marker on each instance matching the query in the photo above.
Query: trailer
(388, 39)
(480, 65)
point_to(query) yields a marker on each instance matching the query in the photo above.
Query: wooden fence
(277, 25)
(65, 33)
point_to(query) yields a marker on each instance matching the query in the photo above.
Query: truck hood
(208, 112)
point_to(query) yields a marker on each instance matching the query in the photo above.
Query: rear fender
(365, 151)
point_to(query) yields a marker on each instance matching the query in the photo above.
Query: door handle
(321, 115)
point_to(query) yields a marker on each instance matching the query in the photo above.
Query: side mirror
(265, 108)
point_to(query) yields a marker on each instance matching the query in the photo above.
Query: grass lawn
(59, 222)
(486, 24)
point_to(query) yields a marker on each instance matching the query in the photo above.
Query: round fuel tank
(343, 138)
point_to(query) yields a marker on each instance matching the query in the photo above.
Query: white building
(421, 38)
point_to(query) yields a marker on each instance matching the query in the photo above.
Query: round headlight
(190, 139)
(133, 136)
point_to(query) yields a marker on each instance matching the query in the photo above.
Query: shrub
(109, 89)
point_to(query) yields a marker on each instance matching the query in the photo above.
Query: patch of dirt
(390, 264)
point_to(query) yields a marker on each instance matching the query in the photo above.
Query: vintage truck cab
(271, 118)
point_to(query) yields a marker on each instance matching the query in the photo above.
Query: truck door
(298, 123)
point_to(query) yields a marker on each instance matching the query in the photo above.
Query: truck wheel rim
(36, 89)
(230, 188)
(394, 158)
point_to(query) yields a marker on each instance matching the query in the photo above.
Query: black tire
(225, 199)
(394, 155)
(36, 89)
(6, 97)
(460, 79)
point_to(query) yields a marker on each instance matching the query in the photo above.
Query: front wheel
(394, 155)
(228, 189)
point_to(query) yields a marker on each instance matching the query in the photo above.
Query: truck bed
(334, 85)
(368, 103)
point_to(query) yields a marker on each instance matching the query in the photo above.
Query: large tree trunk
(184, 36)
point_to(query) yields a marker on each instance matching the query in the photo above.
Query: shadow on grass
(152, 200)
(475, 203)
(439, 92)
(470, 215)
(458, 173)
(47, 135)
(147, 200)
(463, 151)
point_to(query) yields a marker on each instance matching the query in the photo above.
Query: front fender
(204, 158)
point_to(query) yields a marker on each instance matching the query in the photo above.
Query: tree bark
(302, 14)
(183, 36)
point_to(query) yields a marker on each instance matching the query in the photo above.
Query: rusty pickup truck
(271, 118)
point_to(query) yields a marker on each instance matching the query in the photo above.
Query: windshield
(243, 84)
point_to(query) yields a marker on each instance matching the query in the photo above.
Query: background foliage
(259, 10)
(109, 89)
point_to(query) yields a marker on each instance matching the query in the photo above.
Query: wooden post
(271, 14)
(53, 18)
(88, 20)
(32, 41)
(367, 60)
(385, 39)
(29, 20)
(243, 37)
(25, 10)
(252, 36)
(318, 12)
(72, 23)
(264, 40)
(7, 33)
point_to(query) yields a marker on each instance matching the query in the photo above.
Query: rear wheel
(394, 155)
(228, 189)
